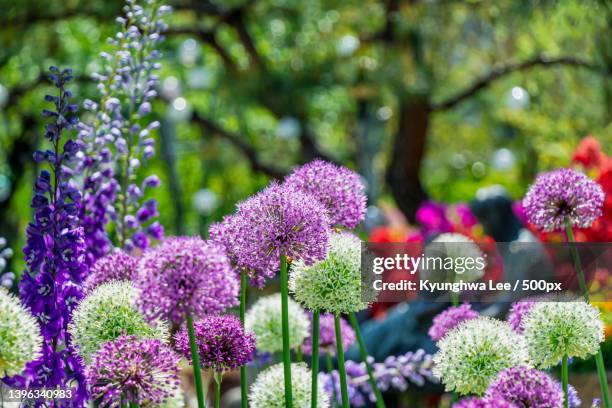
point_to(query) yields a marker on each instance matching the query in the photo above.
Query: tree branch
(245, 148)
(498, 72)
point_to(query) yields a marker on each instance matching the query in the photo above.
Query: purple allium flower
(526, 387)
(224, 233)
(186, 275)
(484, 403)
(518, 310)
(337, 188)
(327, 335)
(449, 319)
(279, 220)
(573, 399)
(561, 194)
(54, 250)
(222, 343)
(115, 266)
(142, 370)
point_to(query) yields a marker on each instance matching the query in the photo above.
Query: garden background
(427, 100)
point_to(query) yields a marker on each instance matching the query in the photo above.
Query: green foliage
(288, 80)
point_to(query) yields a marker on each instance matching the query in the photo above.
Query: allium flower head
(225, 233)
(517, 313)
(117, 266)
(561, 194)
(186, 275)
(473, 353)
(449, 319)
(484, 403)
(526, 387)
(279, 220)
(19, 335)
(339, 189)
(264, 320)
(222, 343)
(268, 391)
(327, 336)
(452, 246)
(145, 371)
(108, 312)
(333, 284)
(553, 330)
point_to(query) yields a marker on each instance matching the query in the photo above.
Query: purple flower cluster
(115, 266)
(131, 370)
(119, 134)
(526, 387)
(563, 194)
(327, 336)
(396, 372)
(222, 343)
(185, 275)
(337, 188)
(484, 403)
(54, 250)
(449, 319)
(277, 220)
(517, 313)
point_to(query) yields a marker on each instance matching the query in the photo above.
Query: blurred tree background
(430, 98)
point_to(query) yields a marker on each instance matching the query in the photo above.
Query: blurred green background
(424, 98)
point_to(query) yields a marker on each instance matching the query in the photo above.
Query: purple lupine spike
(120, 133)
(54, 251)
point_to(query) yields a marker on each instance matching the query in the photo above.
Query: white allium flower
(452, 249)
(108, 312)
(265, 320)
(333, 284)
(268, 390)
(553, 330)
(474, 352)
(20, 339)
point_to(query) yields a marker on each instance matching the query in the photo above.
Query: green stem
(243, 373)
(341, 367)
(599, 360)
(218, 377)
(133, 405)
(454, 298)
(285, 319)
(299, 357)
(577, 262)
(564, 375)
(329, 366)
(197, 372)
(603, 381)
(315, 359)
(380, 403)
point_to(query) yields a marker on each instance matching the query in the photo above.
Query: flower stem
(285, 320)
(243, 373)
(341, 367)
(380, 403)
(577, 262)
(599, 361)
(564, 375)
(195, 358)
(603, 381)
(329, 366)
(218, 377)
(315, 359)
(299, 357)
